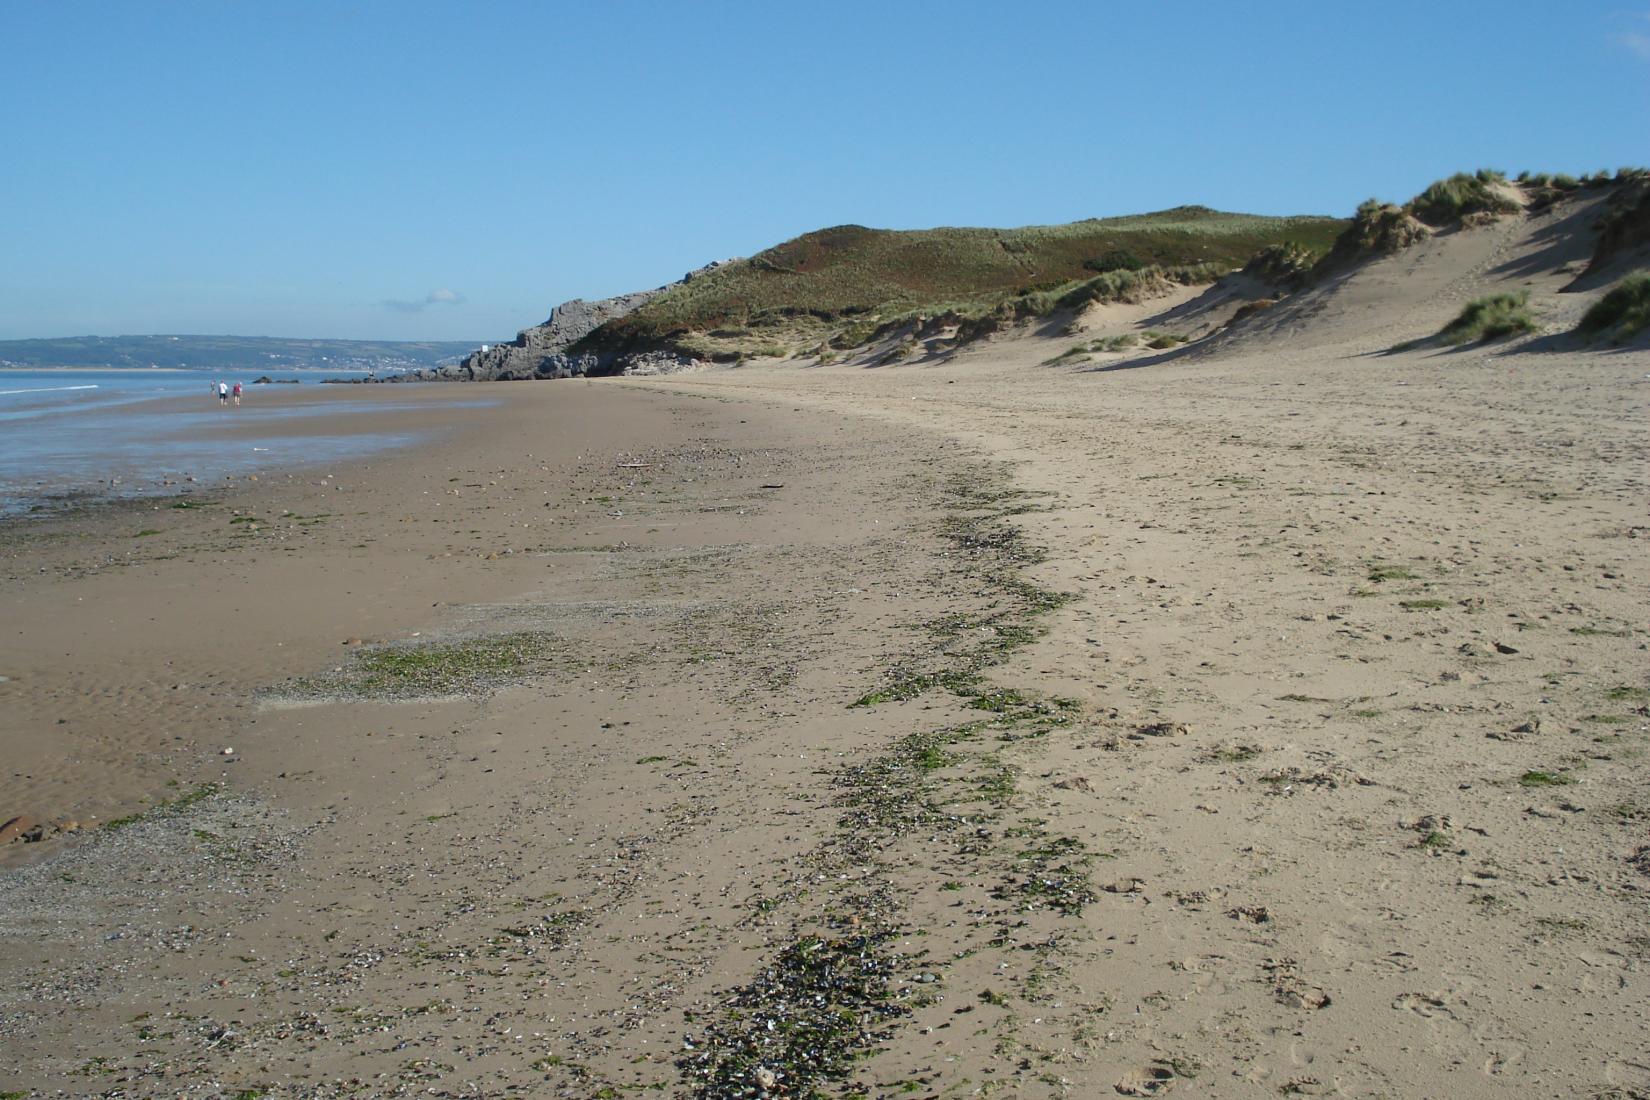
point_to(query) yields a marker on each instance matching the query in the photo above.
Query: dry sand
(1265, 722)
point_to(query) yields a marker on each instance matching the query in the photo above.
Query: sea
(71, 435)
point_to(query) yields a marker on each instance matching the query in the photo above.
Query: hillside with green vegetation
(250, 353)
(843, 283)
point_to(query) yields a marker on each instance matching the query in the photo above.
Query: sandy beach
(754, 552)
(1262, 720)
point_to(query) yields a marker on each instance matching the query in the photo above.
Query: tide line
(49, 389)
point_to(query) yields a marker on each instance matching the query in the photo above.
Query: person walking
(237, 395)
(223, 393)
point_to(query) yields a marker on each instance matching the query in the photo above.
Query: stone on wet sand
(17, 828)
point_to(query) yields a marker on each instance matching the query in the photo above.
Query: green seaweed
(167, 806)
(467, 667)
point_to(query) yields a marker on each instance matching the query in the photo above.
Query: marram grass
(1490, 319)
(1621, 314)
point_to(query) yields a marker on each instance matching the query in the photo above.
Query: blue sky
(417, 170)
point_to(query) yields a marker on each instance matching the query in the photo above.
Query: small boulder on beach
(15, 828)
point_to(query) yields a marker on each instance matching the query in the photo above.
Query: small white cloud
(1635, 33)
(441, 297)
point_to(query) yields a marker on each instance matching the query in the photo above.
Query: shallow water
(74, 434)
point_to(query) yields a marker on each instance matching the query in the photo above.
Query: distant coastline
(20, 368)
(228, 353)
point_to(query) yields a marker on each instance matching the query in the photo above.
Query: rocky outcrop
(541, 351)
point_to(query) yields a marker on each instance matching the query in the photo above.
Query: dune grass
(1075, 354)
(1287, 265)
(1449, 200)
(1621, 314)
(1377, 228)
(1489, 319)
(1120, 285)
(1110, 344)
(1624, 174)
(1381, 227)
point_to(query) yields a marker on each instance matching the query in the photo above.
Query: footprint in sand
(1422, 1005)
(1204, 971)
(1295, 994)
(1153, 1080)
(1448, 1032)
(1289, 989)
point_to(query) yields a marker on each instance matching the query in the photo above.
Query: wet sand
(114, 434)
(1269, 726)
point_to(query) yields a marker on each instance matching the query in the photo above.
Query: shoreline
(184, 449)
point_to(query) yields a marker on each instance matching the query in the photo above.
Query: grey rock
(541, 351)
(656, 362)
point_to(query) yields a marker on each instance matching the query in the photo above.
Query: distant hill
(808, 287)
(246, 353)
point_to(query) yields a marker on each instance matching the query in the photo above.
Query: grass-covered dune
(1490, 319)
(849, 274)
(1382, 228)
(1621, 314)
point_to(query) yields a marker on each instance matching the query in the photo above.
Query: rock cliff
(541, 351)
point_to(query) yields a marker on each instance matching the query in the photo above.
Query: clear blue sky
(421, 170)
